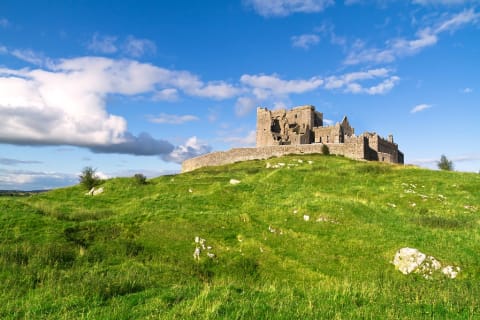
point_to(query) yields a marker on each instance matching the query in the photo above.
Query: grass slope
(128, 253)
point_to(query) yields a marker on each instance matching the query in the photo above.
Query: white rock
(97, 191)
(234, 181)
(211, 255)
(451, 271)
(190, 190)
(196, 253)
(407, 260)
(300, 161)
(306, 218)
(310, 162)
(268, 165)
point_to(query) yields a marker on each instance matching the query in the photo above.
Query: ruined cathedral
(301, 131)
(304, 125)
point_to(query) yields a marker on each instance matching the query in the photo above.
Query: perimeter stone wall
(353, 148)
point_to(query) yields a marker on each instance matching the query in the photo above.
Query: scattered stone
(200, 245)
(411, 260)
(413, 204)
(451, 271)
(94, 192)
(306, 217)
(310, 162)
(391, 205)
(234, 181)
(190, 190)
(407, 260)
(300, 161)
(268, 166)
(326, 219)
(98, 191)
(196, 254)
(295, 211)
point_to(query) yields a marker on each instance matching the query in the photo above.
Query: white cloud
(400, 47)
(169, 94)
(34, 180)
(65, 104)
(244, 105)
(420, 107)
(30, 56)
(102, 44)
(246, 141)
(272, 85)
(350, 82)
(135, 47)
(441, 2)
(467, 90)
(14, 162)
(193, 147)
(305, 41)
(281, 8)
(172, 118)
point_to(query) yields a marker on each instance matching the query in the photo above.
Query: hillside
(129, 252)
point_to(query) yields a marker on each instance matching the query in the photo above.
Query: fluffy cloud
(172, 118)
(305, 41)
(401, 47)
(102, 44)
(420, 107)
(65, 104)
(350, 82)
(138, 47)
(192, 148)
(281, 8)
(272, 85)
(242, 141)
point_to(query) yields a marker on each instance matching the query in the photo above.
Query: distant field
(129, 252)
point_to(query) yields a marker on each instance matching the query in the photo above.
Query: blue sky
(138, 86)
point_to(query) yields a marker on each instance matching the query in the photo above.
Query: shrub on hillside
(88, 178)
(325, 150)
(445, 164)
(140, 179)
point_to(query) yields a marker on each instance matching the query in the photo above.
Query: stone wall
(353, 148)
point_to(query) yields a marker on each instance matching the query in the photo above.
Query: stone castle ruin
(301, 130)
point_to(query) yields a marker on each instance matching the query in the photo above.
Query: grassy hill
(128, 253)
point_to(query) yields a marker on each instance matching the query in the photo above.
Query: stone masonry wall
(353, 148)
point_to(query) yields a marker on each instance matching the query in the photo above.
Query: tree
(140, 179)
(445, 164)
(325, 150)
(89, 178)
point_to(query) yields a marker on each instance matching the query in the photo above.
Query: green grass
(128, 253)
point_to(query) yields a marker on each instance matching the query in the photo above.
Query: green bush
(89, 178)
(325, 150)
(140, 179)
(445, 164)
